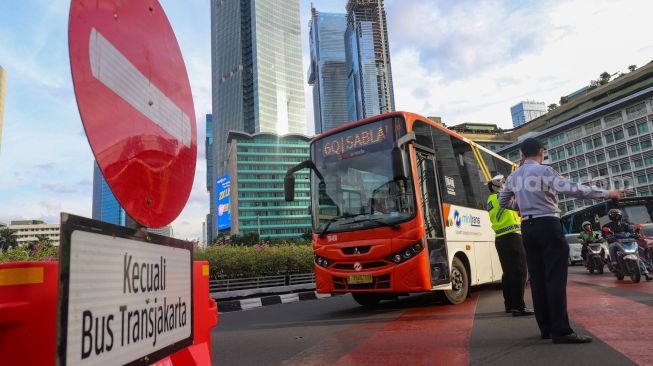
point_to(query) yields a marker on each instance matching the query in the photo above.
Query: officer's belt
(529, 217)
(507, 228)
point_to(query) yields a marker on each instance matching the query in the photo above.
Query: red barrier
(28, 315)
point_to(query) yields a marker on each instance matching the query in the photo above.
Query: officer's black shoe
(545, 335)
(572, 338)
(523, 312)
(648, 277)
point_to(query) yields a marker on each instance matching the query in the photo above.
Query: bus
(398, 206)
(636, 210)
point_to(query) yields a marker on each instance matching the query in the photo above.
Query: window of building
(635, 148)
(588, 145)
(594, 174)
(636, 111)
(645, 144)
(556, 139)
(622, 151)
(572, 165)
(593, 126)
(578, 148)
(591, 160)
(613, 119)
(598, 142)
(625, 166)
(619, 135)
(638, 163)
(609, 138)
(581, 162)
(615, 169)
(562, 154)
(563, 168)
(642, 127)
(553, 155)
(570, 151)
(641, 179)
(603, 171)
(612, 154)
(574, 178)
(632, 131)
(648, 161)
(600, 157)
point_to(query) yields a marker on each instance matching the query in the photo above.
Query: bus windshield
(358, 189)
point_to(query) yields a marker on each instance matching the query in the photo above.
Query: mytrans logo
(459, 219)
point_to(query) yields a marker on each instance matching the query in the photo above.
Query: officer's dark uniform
(532, 190)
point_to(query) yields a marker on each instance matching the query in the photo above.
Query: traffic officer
(532, 190)
(507, 224)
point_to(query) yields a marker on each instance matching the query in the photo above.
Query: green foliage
(35, 253)
(230, 261)
(8, 239)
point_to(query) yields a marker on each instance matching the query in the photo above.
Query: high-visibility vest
(504, 221)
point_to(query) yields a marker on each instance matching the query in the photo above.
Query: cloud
(58, 188)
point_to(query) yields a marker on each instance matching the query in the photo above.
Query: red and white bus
(399, 206)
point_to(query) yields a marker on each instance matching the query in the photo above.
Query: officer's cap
(531, 146)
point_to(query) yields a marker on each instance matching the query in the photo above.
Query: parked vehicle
(627, 255)
(575, 249)
(645, 242)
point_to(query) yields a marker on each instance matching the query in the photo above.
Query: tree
(604, 78)
(563, 100)
(551, 107)
(632, 68)
(307, 235)
(8, 239)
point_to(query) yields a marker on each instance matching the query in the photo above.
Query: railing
(236, 284)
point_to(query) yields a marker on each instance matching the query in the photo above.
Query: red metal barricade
(28, 315)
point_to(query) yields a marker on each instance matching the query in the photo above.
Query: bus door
(432, 213)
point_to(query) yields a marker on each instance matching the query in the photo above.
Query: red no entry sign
(135, 102)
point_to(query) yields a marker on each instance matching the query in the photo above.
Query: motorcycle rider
(617, 226)
(587, 236)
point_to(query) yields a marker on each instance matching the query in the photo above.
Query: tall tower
(328, 70)
(256, 70)
(3, 88)
(370, 90)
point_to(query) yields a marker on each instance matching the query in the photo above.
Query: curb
(246, 304)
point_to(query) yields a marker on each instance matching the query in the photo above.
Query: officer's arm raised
(563, 185)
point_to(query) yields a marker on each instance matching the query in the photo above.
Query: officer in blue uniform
(532, 190)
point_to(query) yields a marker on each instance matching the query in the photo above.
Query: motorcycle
(627, 255)
(594, 257)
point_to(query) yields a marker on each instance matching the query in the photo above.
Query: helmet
(614, 214)
(585, 223)
(496, 183)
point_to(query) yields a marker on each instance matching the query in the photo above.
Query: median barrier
(28, 315)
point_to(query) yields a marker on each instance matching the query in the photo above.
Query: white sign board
(126, 300)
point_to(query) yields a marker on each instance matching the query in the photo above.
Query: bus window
(637, 214)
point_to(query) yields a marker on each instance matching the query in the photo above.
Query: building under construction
(369, 81)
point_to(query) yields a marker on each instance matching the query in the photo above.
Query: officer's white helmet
(496, 183)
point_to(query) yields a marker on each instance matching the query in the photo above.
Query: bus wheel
(366, 298)
(459, 283)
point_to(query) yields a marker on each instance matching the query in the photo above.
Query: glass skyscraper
(369, 85)
(256, 70)
(257, 166)
(105, 205)
(526, 111)
(328, 70)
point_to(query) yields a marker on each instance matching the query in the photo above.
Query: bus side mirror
(398, 164)
(289, 188)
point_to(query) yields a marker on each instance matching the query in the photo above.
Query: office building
(328, 71)
(27, 231)
(369, 84)
(257, 72)
(603, 137)
(3, 91)
(107, 208)
(526, 111)
(485, 134)
(210, 169)
(257, 166)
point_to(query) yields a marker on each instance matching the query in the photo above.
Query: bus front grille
(378, 282)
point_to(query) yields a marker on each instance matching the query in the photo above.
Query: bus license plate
(359, 279)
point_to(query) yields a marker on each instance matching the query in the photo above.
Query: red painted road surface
(336, 331)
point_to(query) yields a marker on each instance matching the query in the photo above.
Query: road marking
(250, 303)
(289, 298)
(116, 72)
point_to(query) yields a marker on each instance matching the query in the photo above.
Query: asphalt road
(421, 330)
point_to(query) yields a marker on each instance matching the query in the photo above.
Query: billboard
(223, 209)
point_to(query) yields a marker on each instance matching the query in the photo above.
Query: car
(575, 248)
(645, 242)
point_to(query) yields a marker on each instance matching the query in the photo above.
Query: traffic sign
(136, 105)
(124, 297)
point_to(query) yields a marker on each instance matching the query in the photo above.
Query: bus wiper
(332, 220)
(378, 221)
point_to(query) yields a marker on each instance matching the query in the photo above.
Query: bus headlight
(406, 253)
(397, 258)
(323, 262)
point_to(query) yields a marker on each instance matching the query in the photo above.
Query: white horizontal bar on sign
(116, 72)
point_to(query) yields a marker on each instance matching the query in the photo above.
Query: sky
(462, 60)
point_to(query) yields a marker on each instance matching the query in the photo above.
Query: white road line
(322, 296)
(116, 72)
(289, 298)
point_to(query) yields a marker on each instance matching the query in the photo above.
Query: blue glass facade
(105, 205)
(258, 165)
(369, 85)
(328, 70)
(526, 111)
